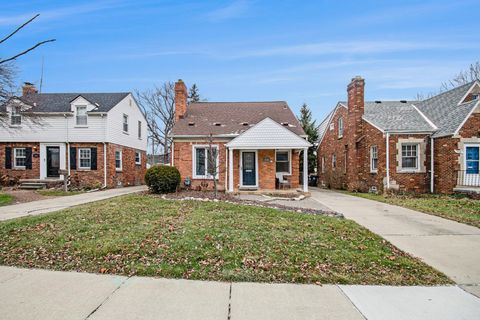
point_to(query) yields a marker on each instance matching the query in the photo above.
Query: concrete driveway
(59, 203)
(451, 247)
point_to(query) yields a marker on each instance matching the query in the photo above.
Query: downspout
(173, 153)
(432, 165)
(226, 166)
(388, 159)
(68, 145)
(104, 151)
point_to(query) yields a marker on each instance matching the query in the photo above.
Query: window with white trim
(118, 160)
(125, 123)
(334, 161)
(84, 158)
(138, 157)
(282, 161)
(340, 127)
(205, 164)
(15, 117)
(20, 157)
(323, 164)
(139, 130)
(410, 156)
(82, 117)
(373, 159)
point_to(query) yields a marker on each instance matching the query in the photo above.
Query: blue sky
(298, 51)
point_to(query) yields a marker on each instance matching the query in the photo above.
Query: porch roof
(268, 134)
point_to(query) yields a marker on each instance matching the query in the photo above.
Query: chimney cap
(26, 83)
(357, 78)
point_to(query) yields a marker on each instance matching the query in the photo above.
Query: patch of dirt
(22, 196)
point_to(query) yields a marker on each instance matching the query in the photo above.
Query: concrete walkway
(41, 294)
(451, 247)
(59, 203)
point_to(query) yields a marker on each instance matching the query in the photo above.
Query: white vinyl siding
(118, 160)
(373, 159)
(203, 166)
(20, 157)
(282, 161)
(84, 158)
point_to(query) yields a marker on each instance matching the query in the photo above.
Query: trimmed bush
(162, 179)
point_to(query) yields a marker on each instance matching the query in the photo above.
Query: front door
(53, 162)
(249, 170)
(472, 161)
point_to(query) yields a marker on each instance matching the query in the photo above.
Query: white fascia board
(476, 83)
(466, 118)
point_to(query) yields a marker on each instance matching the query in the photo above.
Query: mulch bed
(221, 196)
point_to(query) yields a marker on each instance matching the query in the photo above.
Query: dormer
(472, 94)
(80, 108)
(14, 108)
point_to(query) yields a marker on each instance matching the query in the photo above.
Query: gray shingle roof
(396, 116)
(231, 118)
(60, 102)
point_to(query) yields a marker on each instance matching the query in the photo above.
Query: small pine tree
(193, 94)
(310, 128)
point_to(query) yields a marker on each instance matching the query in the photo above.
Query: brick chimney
(181, 95)
(356, 103)
(28, 88)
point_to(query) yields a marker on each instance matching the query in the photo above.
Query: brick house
(420, 146)
(99, 139)
(245, 145)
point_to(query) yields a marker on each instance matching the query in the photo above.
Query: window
(84, 158)
(138, 157)
(118, 160)
(82, 119)
(205, 164)
(334, 161)
(16, 118)
(475, 96)
(323, 164)
(332, 126)
(139, 129)
(20, 157)
(125, 123)
(409, 156)
(373, 159)
(340, 127)
(282, 159)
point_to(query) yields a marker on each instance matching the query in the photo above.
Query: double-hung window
(138, 157)
(205, 162)
(16, 118)
(139, 129)
(20, 157)
(323, 164)
(125, 123)
(84, 158)
(334, 161)
(82, 118)
(410, 156)
(118, 160)
(373, 159)
(282, 160)
(340, 127)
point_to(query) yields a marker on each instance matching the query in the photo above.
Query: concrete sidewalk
(59, 203)
(449, 246)
(41, 294)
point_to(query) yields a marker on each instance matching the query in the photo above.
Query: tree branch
(26, 51)
(18, 29)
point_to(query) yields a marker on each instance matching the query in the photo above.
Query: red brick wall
(131, 173)
(33, 173)
(87, 177)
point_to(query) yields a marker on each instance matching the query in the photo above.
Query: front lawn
(5, 199)
(458, 208)
(144, 235)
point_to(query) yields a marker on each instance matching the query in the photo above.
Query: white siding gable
(81, 101)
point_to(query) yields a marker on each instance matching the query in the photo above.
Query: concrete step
(32, 185)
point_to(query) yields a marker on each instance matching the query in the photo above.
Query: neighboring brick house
(254, 145)
(422, 146)
(99, 139)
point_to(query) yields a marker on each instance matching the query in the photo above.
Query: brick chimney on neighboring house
(181, 95)
(28, 88)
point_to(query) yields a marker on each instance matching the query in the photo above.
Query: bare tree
(463, 77)
(158, 106)
(212, 163)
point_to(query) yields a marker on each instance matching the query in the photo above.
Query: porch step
(32, 185)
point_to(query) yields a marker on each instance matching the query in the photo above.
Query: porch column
(230, 169)
(305, 170)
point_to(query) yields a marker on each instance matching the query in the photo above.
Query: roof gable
(268, 134)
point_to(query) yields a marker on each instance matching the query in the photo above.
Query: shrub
(162, 179)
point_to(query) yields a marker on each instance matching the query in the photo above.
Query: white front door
(472, 162)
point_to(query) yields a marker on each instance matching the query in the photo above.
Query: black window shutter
(8, 158)
(28, 160)
(73, 158)
(93, 156)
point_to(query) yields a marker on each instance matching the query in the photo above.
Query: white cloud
(233, 10)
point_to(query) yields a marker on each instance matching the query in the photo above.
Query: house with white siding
(98, 139)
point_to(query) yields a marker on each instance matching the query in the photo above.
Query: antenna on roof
(41, 78)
